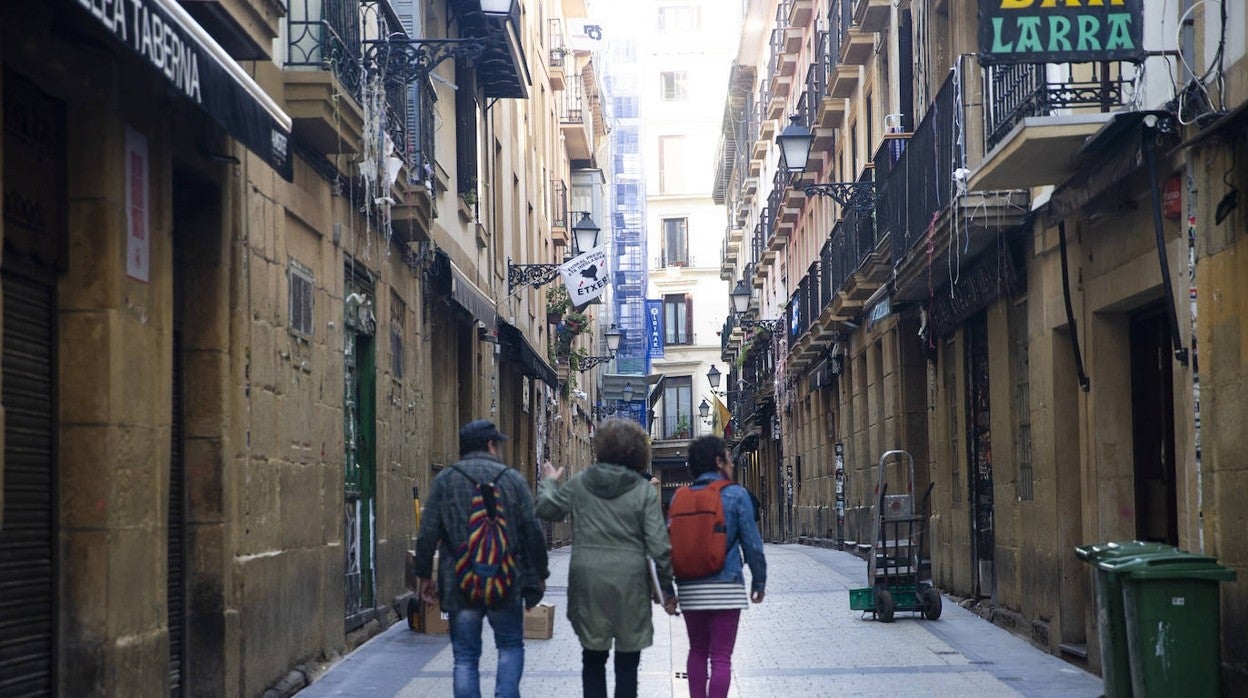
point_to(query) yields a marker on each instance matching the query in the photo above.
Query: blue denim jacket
(742, 535)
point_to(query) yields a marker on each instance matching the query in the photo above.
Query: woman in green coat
(617, 522)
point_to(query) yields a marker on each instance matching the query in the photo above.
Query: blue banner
(654, 328)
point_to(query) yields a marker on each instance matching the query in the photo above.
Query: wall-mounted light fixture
(613, 337)
(795, 143)
(584, 239)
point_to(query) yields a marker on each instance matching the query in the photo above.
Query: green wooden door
(360, 473)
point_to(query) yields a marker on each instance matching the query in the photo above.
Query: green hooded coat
(617, 521)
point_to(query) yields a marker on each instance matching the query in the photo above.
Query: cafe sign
(1060, 31)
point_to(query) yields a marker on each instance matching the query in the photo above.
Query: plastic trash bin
(1173, 620)
(1111, 626)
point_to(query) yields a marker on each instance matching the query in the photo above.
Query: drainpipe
(1070, 312)
(1150, 133)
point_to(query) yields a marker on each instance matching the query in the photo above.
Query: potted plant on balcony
(576, 322)
(682, 427)
(557, 303)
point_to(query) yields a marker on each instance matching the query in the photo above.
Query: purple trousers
(712, 635)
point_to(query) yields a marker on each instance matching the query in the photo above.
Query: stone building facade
(1022, 301)
(254, 278)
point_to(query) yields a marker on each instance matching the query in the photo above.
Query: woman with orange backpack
(711, 526)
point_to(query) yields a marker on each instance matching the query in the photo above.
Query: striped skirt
(712, 596)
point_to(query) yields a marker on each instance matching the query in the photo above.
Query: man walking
(480, 483)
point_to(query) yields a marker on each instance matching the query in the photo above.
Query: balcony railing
(676, 427)
(816, 80)
(758, 241)
(771, 214)
(826, 287)
(572, 105)
(554, 40)
(890, 193)
(1015, 92)
(853, 238)
(803, 306)
(558, 204)
(325, 34)
(918, 185)
(778, 37)
(840, 18)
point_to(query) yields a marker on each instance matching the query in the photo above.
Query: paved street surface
(803, 640)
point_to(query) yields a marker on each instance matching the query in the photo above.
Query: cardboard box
(436, 622)
(539, 622)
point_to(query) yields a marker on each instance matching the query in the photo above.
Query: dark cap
(477, 434)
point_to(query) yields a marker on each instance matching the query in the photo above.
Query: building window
(673, 85)
(678, 407)
(299, 280)
(466, 131)
(679, 18)
(671, 164)
(675, 242)
(398, 313)
(677, 319)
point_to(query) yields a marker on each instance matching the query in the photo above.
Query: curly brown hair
(623, 442)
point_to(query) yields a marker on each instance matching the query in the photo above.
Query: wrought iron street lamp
(795, 144)
(740, 297)
(713, 376)
(613, 337)
(741, 302)
(627, 392)
(403, 61)
(584, 239)
(585, 234)
(704, 409)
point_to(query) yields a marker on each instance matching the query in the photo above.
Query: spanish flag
(722, 416)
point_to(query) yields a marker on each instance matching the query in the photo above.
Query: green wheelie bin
(1111, 626)
(1173, 622)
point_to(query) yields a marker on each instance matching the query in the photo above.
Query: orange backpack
(698, 531)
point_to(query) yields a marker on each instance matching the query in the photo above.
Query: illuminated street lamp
(585, 233)
(795, 143)
(740, 297)
(496, 8)
(712, 377)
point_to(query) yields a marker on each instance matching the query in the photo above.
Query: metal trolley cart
(898, 577)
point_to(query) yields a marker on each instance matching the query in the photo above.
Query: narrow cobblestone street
(803, 640)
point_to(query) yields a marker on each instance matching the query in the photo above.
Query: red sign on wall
(1172, 199)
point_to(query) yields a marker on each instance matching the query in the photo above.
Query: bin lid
(1169, 565)
(1093, 552)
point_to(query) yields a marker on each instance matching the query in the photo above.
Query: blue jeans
(508, 624)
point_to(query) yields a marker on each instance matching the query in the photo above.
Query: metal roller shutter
(27, 538)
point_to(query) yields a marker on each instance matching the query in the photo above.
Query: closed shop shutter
(177, 530)
(27, 538)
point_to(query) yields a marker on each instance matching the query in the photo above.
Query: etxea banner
(586, 275)
(1060, 31)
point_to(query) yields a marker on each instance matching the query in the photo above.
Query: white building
(686, 56)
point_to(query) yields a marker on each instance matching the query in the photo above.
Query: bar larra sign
(1060, 31)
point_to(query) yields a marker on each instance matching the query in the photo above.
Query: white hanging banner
(586, 275)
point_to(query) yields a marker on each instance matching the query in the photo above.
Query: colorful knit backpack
(485, 568)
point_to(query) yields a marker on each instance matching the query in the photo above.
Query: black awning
(473, 299)
(166, 37)
(516, 348)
